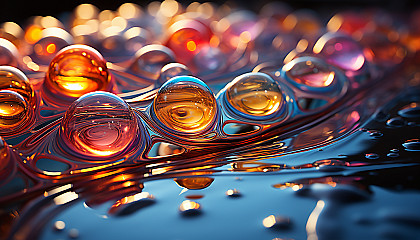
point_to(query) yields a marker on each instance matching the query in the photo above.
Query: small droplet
(233, 193)
(255, 94)
(375, 133)
(73, 233)
(395, 122)
(371, 156)
(190, 208)
(412, 110)
(277, 222)
(194, 183)
(394, 150)
(185, 104)
(331, 165)
(412, 145)
(77, 70)
(393, 154)
(59, 225)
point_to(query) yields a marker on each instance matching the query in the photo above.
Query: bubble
(194, 183)
(52, 41)
(372, 156)
(187, 36)
(190, 208)
(77, 70)
(13, 109)
(8, 53)
(13, 79)
(150, 59)
(393, 154)
(311, 72)
(255, 95)
(341, 51)
(185, 104)
(394, 150)
(375, 133)
(99, 124)
(395, 122)
(412, 145)
(233, 193)
(171, 70)
(412, 110)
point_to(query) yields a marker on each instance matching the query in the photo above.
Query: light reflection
(65, 198)
(312, 221)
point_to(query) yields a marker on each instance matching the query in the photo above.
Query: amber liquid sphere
(77, 70)
(15, 80)
(255, 94)
(185, 104)
(99, 124)
(13, 109)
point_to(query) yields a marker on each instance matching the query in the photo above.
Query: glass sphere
(255, 94)
(187, 36)
(8, 53)
(310, 72)
(151, 58)
(15, 80)
(77, 70)
(185, 104)
(99, 124)
(341, 51)
(52, 41)
(173, 70)
(14, 109)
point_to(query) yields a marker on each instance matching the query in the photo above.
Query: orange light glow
(191, 46)
(51, 48)
(33, 34)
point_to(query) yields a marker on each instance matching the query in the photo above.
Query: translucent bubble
(310, 71)
(8, 53)
(255, 94)
(185, 104)
(76, 70)
(190, 208)
(395, 122)
(412, 145)
(341, 51)
(372, 156)
(411, 110)
(52, 41)
(173, 70)
(13, 79)
(151, 58)
(99, 124)
(13, 109)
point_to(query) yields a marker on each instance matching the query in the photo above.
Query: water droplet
(13, 79)
(395, 122)
(53, 40)
(171, 70)
(310, 72)
(412, 110)
(393, 154)
(255, 95)
(341, 51)
(185, 104)
(14, 110)
(233, 193)
(99, 124)
(59, 225)
(190, 208)
(8, 53)
(130, 204)
(194, 183)
(371, 156)
(412, 145)
(73, 233)
(277, 222)
(150, 59)
(331, 165)
(375, 133)
(77, 70)
(394, 150)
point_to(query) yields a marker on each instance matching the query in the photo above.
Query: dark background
(19, 10)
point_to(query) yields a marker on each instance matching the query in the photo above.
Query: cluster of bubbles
(178, 53)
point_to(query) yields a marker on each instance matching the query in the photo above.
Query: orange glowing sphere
(77, 70)
(15, 80)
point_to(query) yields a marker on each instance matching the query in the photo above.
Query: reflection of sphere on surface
(8, 53)
(78, 69)
(310, 71)
(185, 104)
(341, 51)
(52, 41)
(13, 79)
(255, 94)
(100, 124)
(13, 109)
(151, 58)
(173, 70)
